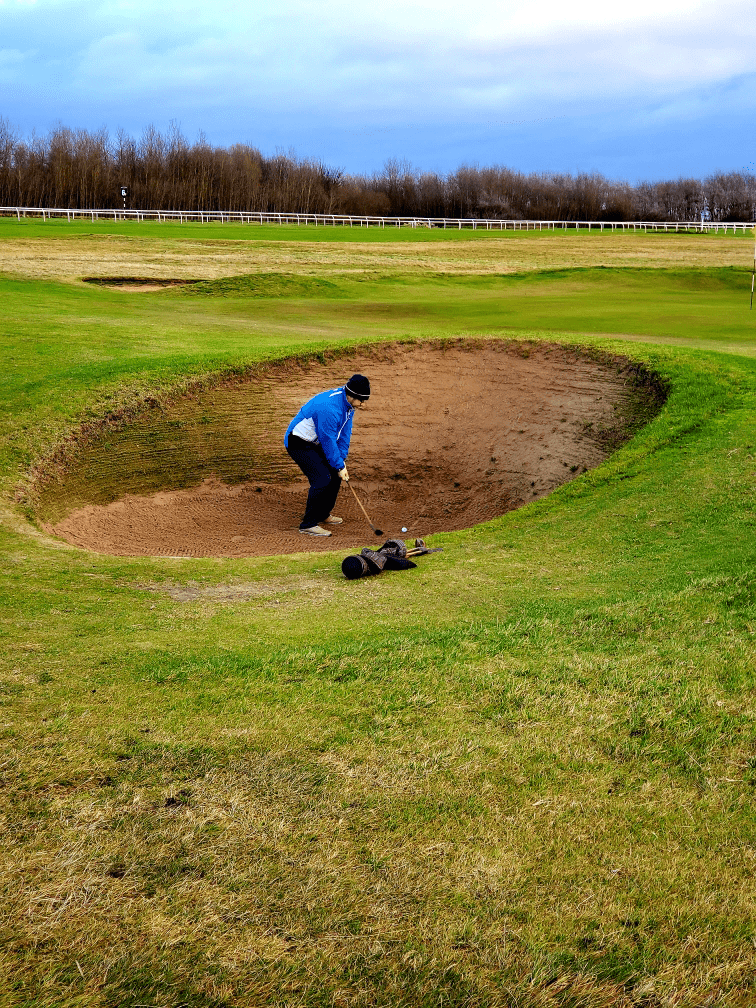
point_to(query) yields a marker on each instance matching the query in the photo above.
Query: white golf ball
(404, 530)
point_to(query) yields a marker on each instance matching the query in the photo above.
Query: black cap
(358, 386)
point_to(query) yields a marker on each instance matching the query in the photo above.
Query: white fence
(344, 220)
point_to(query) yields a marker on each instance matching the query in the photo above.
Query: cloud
(357, 66)
(12, 64)
(310, 68)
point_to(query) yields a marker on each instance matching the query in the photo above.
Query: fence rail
(346, 220)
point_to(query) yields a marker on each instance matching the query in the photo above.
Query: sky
(655, 89)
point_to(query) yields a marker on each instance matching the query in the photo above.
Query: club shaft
(360, 503)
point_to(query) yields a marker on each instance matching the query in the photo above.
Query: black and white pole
(124, 193)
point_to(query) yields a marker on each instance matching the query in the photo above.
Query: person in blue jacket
(318, 441)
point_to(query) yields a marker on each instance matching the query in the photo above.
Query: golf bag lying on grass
(393, 555)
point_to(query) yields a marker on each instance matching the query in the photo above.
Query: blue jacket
(326, 420)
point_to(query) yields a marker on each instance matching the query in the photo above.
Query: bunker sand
(454, 435)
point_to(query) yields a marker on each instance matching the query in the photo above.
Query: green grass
(36, 228)
(709, 305)
(522, 774)
(32, 227)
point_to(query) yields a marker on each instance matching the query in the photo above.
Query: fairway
(521, 774)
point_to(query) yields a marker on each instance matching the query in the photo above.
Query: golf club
(378, 532)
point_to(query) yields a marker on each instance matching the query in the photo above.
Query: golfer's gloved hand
(344, 474)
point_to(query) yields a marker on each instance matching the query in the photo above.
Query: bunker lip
(457, 433)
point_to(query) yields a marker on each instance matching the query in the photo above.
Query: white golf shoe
(316, 530)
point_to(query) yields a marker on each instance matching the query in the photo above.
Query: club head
(378, 532)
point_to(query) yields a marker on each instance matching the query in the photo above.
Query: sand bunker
(454, 434)
(136, 283)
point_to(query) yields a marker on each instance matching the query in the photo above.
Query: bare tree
(77, 168)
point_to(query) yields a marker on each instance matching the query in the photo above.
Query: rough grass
(520, 775)
(59, 251)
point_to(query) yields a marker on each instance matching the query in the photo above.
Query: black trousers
(324, 480)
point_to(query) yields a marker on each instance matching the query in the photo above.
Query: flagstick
(753, 274)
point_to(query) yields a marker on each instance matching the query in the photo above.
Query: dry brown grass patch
(65, 259)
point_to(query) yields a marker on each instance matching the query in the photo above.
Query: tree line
(77, 168)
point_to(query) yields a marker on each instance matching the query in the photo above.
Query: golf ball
(404, 529)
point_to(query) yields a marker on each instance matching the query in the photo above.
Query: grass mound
(722, 278)
(262, 285)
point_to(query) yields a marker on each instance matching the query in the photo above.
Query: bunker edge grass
(522, 774)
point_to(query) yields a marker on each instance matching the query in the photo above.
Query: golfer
(318, 441)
